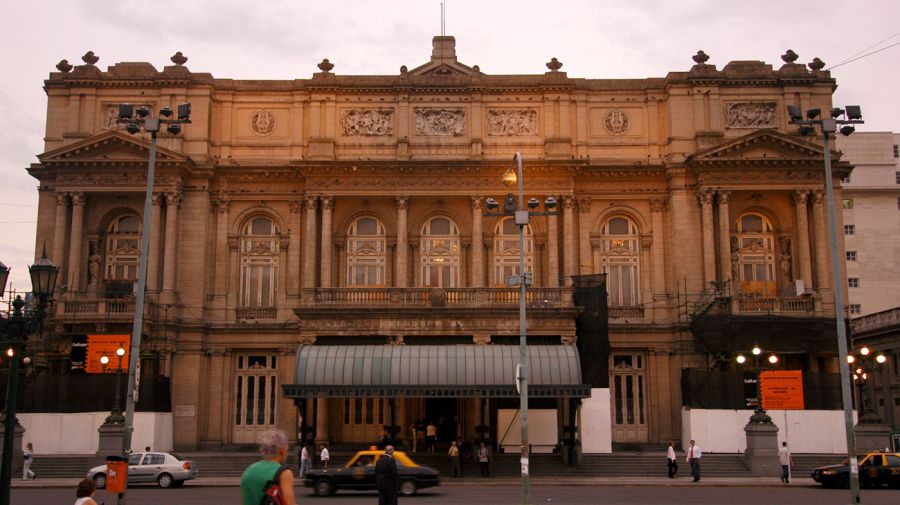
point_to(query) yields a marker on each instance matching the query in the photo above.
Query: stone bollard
(18, 455)
(762, 449)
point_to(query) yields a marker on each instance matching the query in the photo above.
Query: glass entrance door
(254, 398)
(628, 388)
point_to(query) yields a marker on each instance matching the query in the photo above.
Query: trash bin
(116, 474)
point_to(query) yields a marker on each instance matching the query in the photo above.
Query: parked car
(167, 470)
(875, 469)
(359, 474)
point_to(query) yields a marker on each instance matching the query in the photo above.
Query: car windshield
(859, 459)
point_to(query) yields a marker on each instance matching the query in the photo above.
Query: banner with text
(781, 389)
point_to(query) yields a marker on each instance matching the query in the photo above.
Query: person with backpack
(269, 481)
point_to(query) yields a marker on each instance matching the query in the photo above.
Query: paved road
(473, 494)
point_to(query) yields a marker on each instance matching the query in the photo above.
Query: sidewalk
(500, 481)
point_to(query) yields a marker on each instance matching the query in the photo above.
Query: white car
(167, 470)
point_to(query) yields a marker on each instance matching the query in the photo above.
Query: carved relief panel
(261, 123)
(512, 123)
(109, 113)
(751, 115)
(367, 122)
(440, 122)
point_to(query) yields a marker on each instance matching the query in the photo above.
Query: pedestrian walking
(324, 456)
(786, 460)
(85, 492)
(484, 460)
(453, 455)
(673, 461)
(387, 477)
(305, 462)
(430, 436)
(273, 446)
(412, 436)
(28, 456)
(693, 458)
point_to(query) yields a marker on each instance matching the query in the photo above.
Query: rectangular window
(845, 180)
(847, 203)
(897, 177)
(855, 309)
(896, 151)
(849, 229)
(853, 282)
(851, 255)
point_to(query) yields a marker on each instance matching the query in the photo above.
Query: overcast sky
(285, 39)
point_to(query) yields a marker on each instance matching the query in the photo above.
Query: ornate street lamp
(759, 414)
(15, 330)
(521, 215)
(864, 369)
(847, 117)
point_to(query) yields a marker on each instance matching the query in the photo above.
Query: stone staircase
(630, 464)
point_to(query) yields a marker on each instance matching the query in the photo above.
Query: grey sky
(285, 39)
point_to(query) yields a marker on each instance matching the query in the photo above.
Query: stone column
(309, 249)
(170, 254)
(800, 198)
(553, 251)
(819, 224)
(657, 255)
(402, 243)
(327, 248)
(477, 243)
(568, 206)
(153, 257)
(293, 267)
(585, 255)
(59, 231)
(78, 201)
(724, 237)
(709, 242)
(321, 421)
(221, 280)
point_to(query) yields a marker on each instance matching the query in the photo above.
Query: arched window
(753, 255)
(620, 260)
(366, 256)
(440, 253)
(123, 248)
(259, 262)
(506, 250)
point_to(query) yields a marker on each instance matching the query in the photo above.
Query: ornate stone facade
(440, 122)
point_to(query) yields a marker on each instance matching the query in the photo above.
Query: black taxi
(875, 469)
(358, 474)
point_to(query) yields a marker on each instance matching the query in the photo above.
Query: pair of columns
(74, 269)
(709, 199)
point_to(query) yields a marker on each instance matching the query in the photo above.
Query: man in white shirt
(784, 457)
(693, 458)
(304, 460)
(673, 462)
(324, 456)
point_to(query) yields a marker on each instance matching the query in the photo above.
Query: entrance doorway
(255, 396)
(444, 413)
(628, 387)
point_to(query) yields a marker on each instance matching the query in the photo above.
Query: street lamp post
(115, 416)
(864, 367)
(15, 330)
(847, 117)
(521, 215)
(135, 120)
(759, 414)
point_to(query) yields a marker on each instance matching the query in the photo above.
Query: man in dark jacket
(387, 477)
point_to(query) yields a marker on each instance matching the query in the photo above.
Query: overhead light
(864, 351)
(807, 130)
(509, 178)
(132, 128)
(794, 113)
(756, 350)
(143, 111)
(184, 111)
(120, 351)
(173, 128)
(854, 112)
(166, 111)
(847, 130)
(813, 113)
(837, 112)
(126, 110)
(880, 359)
(550, 202)
(533, 203)
(850, 359)
(492, 204)
(509, 203)
(773, 359)
(741, 359)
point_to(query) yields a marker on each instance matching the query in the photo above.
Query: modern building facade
(345, 216)
(871, 207)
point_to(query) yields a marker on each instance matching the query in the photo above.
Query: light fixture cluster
(135, 118)
(863, 366)
(846, 117)
(756, 351)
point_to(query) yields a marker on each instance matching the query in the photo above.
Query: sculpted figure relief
(750, 115)
(512, 122)
(367, 122)
(440, 122)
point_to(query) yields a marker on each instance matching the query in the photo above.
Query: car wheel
(100, 481)
(324, 487)
(408, 487)
(165, 481)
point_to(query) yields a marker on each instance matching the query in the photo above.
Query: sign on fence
(781, 389)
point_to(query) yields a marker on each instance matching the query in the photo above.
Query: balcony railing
(98, 307)
(749, 305)
(628, 312)
(256, 313)
(535, 297)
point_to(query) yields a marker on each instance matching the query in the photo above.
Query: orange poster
(781, 389)
(98, 345)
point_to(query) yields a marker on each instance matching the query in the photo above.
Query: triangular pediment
(446, 69)
(109, 147)
(762, 145)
